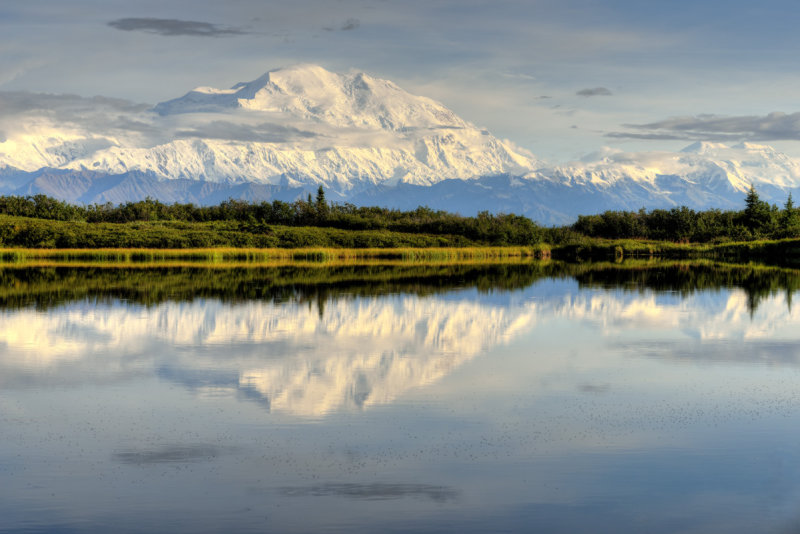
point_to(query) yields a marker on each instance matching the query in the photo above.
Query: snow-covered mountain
(297, 126)
(702, 176)
(364, 139)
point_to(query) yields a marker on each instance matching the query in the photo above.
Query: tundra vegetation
(315, 229)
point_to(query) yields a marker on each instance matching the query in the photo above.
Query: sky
(560, 78)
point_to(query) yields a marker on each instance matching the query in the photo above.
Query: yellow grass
(228, 257)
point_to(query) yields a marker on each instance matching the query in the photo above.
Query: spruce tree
(321, 205)
(757, 216)
(790, 219)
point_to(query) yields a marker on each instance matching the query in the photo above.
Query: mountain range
(364, 139)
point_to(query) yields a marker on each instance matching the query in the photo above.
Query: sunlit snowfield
(557, 407)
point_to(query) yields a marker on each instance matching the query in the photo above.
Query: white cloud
(489, 61)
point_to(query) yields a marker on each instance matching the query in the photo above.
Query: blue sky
(560, 78)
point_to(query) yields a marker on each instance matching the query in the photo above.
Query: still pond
(512, 398)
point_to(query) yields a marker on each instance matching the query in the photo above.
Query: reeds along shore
(272, 256)
(772, 251)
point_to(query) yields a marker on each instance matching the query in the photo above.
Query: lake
(644, 397)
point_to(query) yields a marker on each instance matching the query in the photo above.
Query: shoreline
(272, 257)
(781, 251)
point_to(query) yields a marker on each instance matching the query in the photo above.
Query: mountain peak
(754, 147)
(293, 79)
(703, 147)
(312, 93)
(297, 126)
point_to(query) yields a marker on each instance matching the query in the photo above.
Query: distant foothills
(41, 222)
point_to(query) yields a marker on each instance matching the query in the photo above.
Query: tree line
(758, 220)
(485, 228)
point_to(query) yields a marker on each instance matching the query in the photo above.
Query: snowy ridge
(54, 149)
(341, 169)
(364, 139)
(700, 163)
(302, 124)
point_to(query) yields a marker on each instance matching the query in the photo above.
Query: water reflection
(43, 288)
(361, 352)
(537, 397)
(365, 351)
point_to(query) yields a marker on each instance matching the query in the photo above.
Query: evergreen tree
(321, 205)
(790, 219)
(757, 213)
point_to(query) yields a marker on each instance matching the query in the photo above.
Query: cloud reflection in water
(362, 352)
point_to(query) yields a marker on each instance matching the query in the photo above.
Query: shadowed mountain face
(89, 187)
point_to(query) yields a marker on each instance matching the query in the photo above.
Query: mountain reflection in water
(312, 342)
(361, 352)
(641, 397)
(42, 288)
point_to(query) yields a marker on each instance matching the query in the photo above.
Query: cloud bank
(348, 25)
(174, 27)
(595, 91)
(259, 133)
(775, 126)
(22, 111)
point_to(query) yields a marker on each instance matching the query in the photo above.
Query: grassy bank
(785, 251)
(25, 232)
(223, 242)
(269, 256)
(424, 229)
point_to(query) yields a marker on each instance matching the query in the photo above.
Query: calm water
(502, 399)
